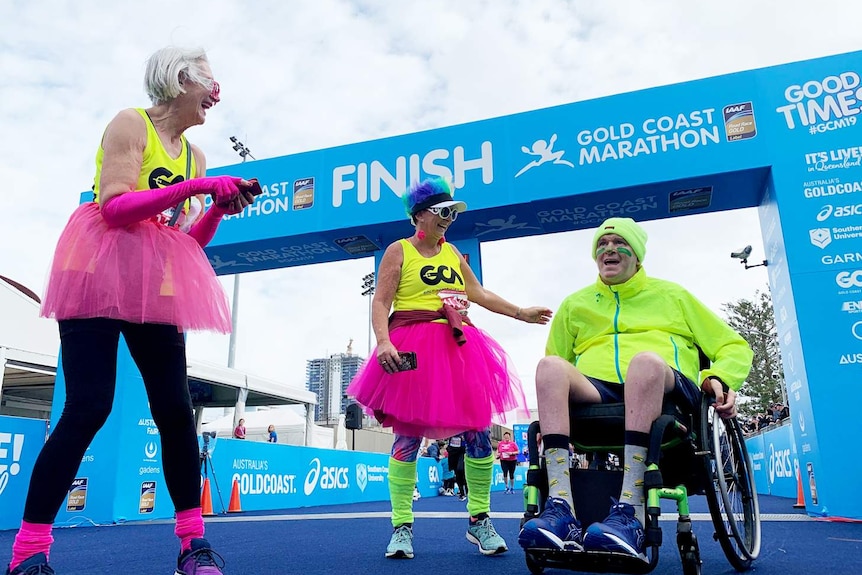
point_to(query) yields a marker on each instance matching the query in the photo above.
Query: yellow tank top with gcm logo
(158, 169)
(428, 283)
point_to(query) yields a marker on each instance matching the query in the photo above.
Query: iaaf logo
(14, 468)
(330, 477)
(823, 105)
(829, 211)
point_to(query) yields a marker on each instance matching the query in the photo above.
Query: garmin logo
(369, 179)
(850, 258)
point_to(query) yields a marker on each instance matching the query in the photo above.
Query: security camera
(742, 254)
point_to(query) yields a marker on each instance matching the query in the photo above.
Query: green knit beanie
(626, 228)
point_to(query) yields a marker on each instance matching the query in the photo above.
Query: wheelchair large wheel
(732, 497)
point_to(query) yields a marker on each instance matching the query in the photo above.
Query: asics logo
(326, 477)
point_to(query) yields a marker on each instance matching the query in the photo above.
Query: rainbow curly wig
(428, 192)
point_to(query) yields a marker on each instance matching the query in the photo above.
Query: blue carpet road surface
(351, 539)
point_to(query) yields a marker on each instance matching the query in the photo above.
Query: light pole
(243, 152)
(368, 289)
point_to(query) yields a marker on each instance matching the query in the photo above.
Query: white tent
(289, 425)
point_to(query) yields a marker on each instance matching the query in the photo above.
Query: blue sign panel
(21, 439)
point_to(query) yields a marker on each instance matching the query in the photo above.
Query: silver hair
(167, 67)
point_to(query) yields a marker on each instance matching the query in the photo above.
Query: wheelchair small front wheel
(533, 565)
(691, 564)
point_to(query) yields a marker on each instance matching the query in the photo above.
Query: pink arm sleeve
(130, 207)
(205, 228)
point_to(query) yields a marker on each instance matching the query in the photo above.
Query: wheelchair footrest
(592, 561)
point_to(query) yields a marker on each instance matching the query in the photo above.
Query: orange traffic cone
(234, 506)
(800, 496)
(206, 499)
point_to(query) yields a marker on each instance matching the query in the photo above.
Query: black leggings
(89, 355)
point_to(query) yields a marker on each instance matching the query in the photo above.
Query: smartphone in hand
(408, 360)
(253, 187)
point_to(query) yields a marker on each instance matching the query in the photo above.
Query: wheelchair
(689, 454)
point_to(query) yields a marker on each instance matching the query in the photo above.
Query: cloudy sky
(311, 74)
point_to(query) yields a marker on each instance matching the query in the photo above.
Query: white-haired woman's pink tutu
(454, 389)
(142, 273)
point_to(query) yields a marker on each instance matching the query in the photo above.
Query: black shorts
(509, 467)
(684, 394)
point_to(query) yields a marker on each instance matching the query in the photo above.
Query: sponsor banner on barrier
(21, 439)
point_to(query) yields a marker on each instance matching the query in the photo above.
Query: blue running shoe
(621, 532)
(555, 528)
(200, 560)
(35, 565)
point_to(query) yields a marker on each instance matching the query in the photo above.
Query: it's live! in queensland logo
(823, 105)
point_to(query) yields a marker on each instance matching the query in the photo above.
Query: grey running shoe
(35, 565)
(401, 544)
(483, 534)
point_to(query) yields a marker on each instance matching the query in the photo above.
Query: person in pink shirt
(507, 453)
(239, 432)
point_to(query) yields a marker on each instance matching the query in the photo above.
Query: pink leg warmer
(31, 539)
(190, 525)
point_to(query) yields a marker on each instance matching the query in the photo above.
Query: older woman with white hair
(131, 262)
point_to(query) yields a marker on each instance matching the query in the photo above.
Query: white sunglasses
(447, 213)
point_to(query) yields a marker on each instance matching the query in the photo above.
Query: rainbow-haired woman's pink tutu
(142, 273)
(455, 388)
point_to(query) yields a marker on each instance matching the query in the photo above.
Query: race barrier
(21, 439)
(262, 476)
(776, 465)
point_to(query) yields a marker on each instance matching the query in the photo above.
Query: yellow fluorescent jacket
(600, 328)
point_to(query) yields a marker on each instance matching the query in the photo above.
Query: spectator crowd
(773, 415)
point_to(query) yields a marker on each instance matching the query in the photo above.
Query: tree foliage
(755, 321)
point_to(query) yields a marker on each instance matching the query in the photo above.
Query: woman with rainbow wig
(462, 378)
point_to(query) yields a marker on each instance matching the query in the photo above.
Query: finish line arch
(786, 139)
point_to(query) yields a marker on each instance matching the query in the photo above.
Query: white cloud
(305, 75)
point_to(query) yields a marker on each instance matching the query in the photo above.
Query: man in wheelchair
(634, 339)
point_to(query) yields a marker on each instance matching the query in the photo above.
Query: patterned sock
(479, 473)
(402, 480)
(634, 466)
(31, 539)
(557, 465)
(190, 525)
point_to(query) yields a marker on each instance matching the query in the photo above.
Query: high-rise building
(328, 378)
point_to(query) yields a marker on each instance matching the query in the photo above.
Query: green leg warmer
(402, 479)
(479, 474)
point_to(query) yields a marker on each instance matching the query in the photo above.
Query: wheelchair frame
(692, 438)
